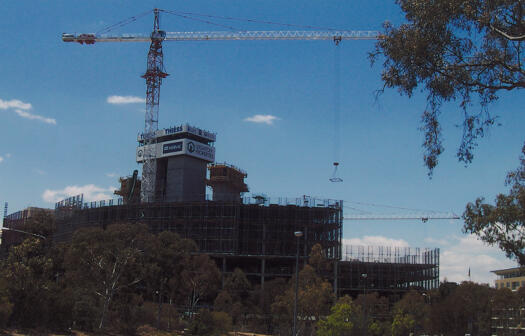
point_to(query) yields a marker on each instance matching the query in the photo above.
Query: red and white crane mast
(154, 75)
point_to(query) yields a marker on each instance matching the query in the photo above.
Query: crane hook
(334, 177)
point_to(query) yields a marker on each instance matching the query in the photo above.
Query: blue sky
(61, 136)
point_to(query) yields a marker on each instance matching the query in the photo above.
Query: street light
(364, 275)
(20, 231)
(297, 234)
(365, 318)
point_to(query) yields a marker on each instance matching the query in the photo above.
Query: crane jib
(226, 35)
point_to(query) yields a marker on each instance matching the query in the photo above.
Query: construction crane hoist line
(155, 70)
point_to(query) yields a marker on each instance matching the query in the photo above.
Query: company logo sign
(172, 147)
(191, 147)
(202, 151)
(173, 130)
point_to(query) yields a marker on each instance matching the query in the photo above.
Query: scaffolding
(387, 269)
(257, 236)
(222, 227)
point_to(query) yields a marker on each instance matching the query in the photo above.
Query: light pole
(364, 275)
(365, 322)
(297, 234)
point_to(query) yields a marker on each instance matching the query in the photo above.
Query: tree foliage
(374, 314)
(409, 314)
(107, 261)
(502, 224)
(200, 280)
(341, 321)
(166, 258)
(211, 323)
(455, 50)
(464, 309)
(28, 275)
(315, 297)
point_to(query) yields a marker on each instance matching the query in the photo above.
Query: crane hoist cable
(124, 22)
(229, 18)
(200, 20)
(337, 110)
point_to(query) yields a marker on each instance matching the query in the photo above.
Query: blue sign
(172, 147)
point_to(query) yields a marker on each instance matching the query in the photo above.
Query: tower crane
(155, 72)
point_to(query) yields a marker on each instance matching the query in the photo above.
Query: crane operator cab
(158, 35)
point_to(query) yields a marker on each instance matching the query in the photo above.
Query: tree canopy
(455, 50)
(502, 224)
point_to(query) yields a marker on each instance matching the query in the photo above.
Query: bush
(208, 323)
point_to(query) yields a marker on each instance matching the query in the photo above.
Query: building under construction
(255, 234)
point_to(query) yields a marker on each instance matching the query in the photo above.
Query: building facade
(512, 278)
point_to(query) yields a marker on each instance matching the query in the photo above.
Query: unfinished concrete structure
(255, 234)
(258, 237)
(181, 156)
(227, 182)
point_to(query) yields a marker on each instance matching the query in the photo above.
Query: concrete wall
(225, 193)
(185, 179)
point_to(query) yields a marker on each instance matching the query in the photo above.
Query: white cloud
(27, 115)
(22, 109)
(457, 255)
(262, 119)
(467, 252)
(91, 193)
(5, 157)
(375, 241)
(39, 171)
(14, 103)
(111, 175)
(437, 242)
(125, 100)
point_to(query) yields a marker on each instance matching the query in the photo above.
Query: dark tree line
(120, 277)
(126, 280)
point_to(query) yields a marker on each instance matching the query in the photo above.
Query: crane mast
(154, 75)
(155, 71)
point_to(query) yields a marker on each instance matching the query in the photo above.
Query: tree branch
(507, 36)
